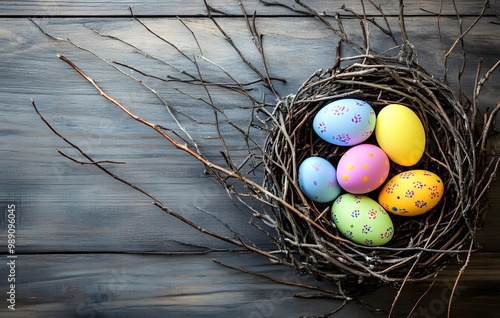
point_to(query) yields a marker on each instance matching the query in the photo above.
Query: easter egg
(318, 180)
(362, 169)
(362, 220)
(345, 122)
(411, 193)
(400, 133)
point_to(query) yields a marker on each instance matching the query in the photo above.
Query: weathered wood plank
(98, 285)
(193, 8)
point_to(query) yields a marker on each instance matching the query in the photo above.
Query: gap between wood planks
(427, 14)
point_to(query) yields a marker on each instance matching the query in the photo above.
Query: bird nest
(455, 151)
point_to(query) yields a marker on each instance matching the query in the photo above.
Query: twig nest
(420, 245)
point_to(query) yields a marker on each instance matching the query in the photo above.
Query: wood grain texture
(82, 235)
(194, 8)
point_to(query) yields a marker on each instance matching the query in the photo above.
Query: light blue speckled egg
(318, 180)
(345, 122)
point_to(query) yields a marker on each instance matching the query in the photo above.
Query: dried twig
(89, 162)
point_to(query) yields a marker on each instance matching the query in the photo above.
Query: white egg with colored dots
(318, 180)
(362, 169)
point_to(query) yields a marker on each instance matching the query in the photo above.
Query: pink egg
(362, 169)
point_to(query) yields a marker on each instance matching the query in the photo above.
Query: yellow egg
(400, 133)
(411, 193)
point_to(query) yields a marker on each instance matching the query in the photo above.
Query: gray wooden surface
(88, 246)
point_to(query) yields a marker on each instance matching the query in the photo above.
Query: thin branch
(284, 5)
(89, 162)
(421, 297)
(336, 310)
(333, 293)
(238, 51)
(401, 20)
(460, 38)
(90, 159)
(159, 36)
(460, 272)
(138, 49)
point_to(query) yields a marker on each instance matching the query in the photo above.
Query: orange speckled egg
(411, 193)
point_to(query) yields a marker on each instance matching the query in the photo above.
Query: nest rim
(311, 242)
